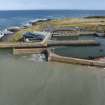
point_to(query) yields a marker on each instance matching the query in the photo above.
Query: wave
(37, 58)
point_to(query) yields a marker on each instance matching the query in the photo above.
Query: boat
(1, 34)
(6, 32)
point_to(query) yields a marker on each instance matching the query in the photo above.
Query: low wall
(73, 43)
(47, 44)
(19, 51)
(21, 45)
(57, 58)
(75, 33)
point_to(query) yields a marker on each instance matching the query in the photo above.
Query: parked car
(33, 36)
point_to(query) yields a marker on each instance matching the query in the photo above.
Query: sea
(28, 80)
(19, 17)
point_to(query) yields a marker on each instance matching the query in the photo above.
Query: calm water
(28, 80)
(87, 52)
(16, 18)
(24, 81)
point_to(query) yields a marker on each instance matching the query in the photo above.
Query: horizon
(52, 10)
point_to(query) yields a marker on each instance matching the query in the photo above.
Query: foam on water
(36, 58)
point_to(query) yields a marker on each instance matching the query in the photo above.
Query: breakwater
(56, 58)
(46, 44)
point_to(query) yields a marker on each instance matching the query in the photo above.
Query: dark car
(33, 36)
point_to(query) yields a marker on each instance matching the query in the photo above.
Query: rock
(14, 29)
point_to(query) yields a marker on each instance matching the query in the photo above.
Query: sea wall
(19, 51)
(70, 60)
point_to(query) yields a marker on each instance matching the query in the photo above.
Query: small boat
(6, 32)
(1, 34)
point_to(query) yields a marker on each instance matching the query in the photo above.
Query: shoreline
(91, 24)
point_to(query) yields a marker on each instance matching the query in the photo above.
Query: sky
(52, 4)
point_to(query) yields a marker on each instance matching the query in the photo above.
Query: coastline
(88, 24)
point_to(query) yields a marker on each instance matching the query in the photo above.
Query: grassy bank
(91, 24)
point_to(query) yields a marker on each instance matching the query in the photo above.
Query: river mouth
(84, 52)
